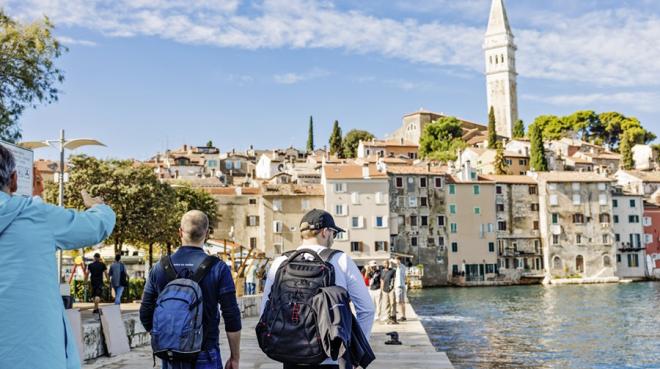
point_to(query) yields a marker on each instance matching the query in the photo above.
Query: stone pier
(416, 351)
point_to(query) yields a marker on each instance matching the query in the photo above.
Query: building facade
(357, 196)
(651, 224)
(418, 219)
(575, 211)
(627, 218)
(519, 247)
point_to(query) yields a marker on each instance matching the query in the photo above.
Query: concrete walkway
(416, 351)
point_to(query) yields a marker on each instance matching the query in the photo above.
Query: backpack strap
(170, 272)
(327, 254)
(204, 267)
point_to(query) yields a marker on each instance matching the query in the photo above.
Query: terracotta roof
(48, 166)
(477, 139)
(571, 177)
(229, 191)
(390, 161)
(651, 176)
(379, 143)
(514, 179)
(293, 190)
(350, 171)
(480, 179)
(514, 154)
(417, 169)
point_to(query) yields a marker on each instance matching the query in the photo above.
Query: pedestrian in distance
(318, 231)
(180, 303)
(375, 287)
(118, 278)
(389, 295)
(95, 273)
(35, 329)
(400, 288)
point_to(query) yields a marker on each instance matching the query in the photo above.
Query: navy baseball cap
(317, 219)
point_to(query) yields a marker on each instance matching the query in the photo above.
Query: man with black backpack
(287, 331)
(180, 303)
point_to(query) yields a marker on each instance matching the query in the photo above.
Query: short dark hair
(117, 257)
(97, 256)
(7, 166)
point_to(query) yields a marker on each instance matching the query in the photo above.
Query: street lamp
(63, 144)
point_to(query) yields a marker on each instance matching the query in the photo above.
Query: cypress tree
(537, 155)
(336, 141)
(519, 129)
(625, 149)
(492, 135)
(310, 135)
(500, 165)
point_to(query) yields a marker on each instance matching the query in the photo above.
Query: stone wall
(94, 342)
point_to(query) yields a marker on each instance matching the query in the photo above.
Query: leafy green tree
(537, 154)
(584, 123)
(310, 135)
(352, 141)
(500, 164)
(552, 127)
(27, 70)
(336, 147)
(492, 134)
(441, 139)
(519, 129)
(209, 144)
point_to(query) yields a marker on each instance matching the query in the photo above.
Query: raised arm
(76, 229)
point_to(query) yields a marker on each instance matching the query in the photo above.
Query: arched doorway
(579, 264)
(556, 263)
(607, 262)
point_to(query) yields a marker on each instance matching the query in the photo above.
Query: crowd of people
(387, 288)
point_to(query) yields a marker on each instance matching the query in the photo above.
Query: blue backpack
(177, 331)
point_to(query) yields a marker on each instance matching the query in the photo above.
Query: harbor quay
(415, 351)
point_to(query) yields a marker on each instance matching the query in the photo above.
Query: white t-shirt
(400, 276)
(347, 275)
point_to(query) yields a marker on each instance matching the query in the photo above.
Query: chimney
(365, 170)
(467, 169)
(185, 147)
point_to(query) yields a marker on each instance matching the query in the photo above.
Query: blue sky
(143, 75)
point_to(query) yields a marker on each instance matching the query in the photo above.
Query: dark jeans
(206, 360)
(296, 366)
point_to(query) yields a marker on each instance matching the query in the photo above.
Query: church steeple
(500, 54)
(498, 22)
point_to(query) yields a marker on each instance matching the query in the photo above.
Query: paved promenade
(416, 352)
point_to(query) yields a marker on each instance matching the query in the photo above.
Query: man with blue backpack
(180, 303)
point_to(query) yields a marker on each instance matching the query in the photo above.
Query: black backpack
(287, 330)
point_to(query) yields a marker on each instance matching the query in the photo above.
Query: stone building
(471, 254)
(575, 211)
(519, 248)
(627, 217)
(281, 209)
(239, 219)
(637, 181)
(418, 219)
(357, 196)
(652, 237)
(387, 149)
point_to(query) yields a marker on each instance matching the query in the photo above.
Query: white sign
(24, 165)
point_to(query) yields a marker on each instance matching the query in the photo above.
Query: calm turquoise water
(591, 326)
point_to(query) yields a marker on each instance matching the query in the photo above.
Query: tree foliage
(519, 129)
(336, 147)
(601, 129)
(28, 75)
(352, 141)
(500, 164)
(310, 135)
(537, 154)
(625, 148)
(492, 134)
(441, 139)
(148, 211)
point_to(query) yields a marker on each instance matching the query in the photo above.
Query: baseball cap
(317, 219)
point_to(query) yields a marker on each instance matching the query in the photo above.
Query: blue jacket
(35, 332)
(217, 288)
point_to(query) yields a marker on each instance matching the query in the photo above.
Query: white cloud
(602, 47)
(643, 101)
(73, 41)
(293, 78)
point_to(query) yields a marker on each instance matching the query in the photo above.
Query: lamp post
(63, 144)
